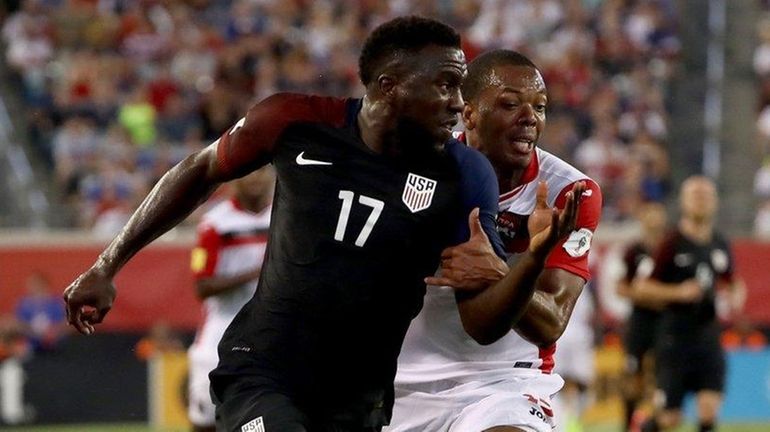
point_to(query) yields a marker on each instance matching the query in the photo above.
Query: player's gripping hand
(548, 226)
(88, 299)
(472, 265)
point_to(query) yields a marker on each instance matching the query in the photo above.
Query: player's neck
(374, 123)
(698, 230)
(508, 179)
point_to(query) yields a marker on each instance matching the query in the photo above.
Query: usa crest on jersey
(418, 192)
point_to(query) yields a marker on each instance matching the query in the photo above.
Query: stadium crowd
(117, 91)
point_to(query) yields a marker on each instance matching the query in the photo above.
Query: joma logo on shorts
(535, 412)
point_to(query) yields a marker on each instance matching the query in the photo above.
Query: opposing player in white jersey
(232, 237)
(447, 381)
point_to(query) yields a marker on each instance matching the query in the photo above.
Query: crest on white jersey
(418, 192)
(579, 242)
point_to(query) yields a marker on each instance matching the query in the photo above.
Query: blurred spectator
(183, 72)
(41, 314)
(160, 339)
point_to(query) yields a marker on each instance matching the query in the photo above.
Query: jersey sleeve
(479, 188)
(203, 259)
(252, 141)
(571, 253)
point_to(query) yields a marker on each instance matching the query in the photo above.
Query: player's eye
(540, 108)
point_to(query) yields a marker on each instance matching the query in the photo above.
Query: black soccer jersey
(679, 259)
(639, 264)
(352, 236)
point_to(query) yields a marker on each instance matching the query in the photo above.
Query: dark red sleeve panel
(629, 260)
(251, 142)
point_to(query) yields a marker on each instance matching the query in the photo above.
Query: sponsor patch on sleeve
(579, 242)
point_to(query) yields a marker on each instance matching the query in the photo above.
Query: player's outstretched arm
(245, 147)
(489, 314)
(176, 195)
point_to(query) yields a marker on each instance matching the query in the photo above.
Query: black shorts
(691, 369)
(639, 338)
(252, 406)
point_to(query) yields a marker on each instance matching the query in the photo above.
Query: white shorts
(475, 406)
(201, 409)
(575, 355)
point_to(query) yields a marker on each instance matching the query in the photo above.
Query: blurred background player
(690, 264)
(641, 326)
(446, 381)
(232, 238)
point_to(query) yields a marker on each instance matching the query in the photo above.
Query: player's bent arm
(654, 291)
(216, 285)
(487, 315)
(245, 147)
(551, 306)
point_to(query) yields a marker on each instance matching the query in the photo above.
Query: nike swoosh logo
(302, 161)
(588, 192)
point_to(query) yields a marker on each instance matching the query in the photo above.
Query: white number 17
(342, 223)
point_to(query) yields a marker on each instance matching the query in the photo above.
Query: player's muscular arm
(551, 306)
(242, 149)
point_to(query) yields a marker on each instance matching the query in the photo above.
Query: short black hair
(408, 33)
(482, 66)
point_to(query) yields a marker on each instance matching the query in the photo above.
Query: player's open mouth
(522, 145)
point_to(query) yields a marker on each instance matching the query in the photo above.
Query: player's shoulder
(465, 154)
(227, 215)
(292, 107)
(554, 168)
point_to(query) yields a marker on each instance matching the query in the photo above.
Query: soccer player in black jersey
(368, 193)
(689, 357)
(641, 326)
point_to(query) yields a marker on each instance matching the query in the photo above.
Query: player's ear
(386, 84)
(469, 116)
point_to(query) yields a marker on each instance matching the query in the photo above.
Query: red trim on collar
(237, 204)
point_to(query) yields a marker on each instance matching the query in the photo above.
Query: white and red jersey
(231, 241)
(437, 349)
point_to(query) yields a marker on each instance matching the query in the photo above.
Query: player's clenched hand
(547, 226)
(88, 299)
(472, 265)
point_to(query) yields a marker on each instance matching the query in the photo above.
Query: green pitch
(139, 427)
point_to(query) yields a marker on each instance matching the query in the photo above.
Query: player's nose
(456, 102)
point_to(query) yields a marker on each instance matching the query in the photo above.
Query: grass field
(139, 427)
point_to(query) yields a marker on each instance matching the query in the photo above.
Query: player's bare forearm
(174, 197)
(489, 314)
(217, 285)
(649, 290)
(551, 307)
